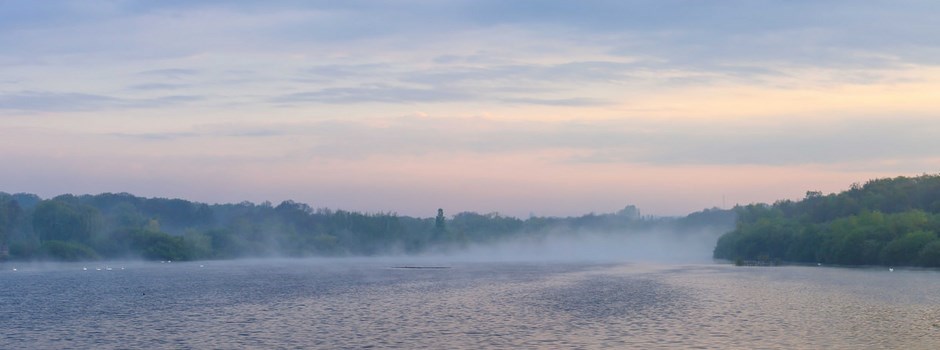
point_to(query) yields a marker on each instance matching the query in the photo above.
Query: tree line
(124, 226)
(890, 221)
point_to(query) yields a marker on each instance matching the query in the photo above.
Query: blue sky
(545, 107)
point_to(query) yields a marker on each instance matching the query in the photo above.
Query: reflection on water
(361, 304)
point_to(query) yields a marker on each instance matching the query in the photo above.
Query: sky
(526, 107)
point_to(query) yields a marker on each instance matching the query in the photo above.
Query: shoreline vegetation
(121, 226)
(885, 222)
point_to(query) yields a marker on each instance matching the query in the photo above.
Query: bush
(904, 250)
(930, 255)
(68, 251)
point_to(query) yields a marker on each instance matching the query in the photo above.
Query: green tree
(57, 220)
(906, 250)
(10, 216)
(930, 255)
(68, 251)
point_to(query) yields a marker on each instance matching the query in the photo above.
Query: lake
(375, 303)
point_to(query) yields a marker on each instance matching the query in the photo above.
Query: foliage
(68, 251)
(124, 226)
(65, 220)
(886, 221)
(10, 215)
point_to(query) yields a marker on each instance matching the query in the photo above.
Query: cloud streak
(36, 101)
(378, 93)
(704, 143)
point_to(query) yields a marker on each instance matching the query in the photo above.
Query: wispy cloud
(35, 101)
(157, 86)
(203, 131)
(800, 142)
(378, 93)
(156, 136)
(342, 72)
(568, 72)
(577, 101)
(171, 73)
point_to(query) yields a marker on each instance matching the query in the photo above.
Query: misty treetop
(891, 221)
(124, 226)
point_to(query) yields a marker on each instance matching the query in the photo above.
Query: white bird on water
(890, 269)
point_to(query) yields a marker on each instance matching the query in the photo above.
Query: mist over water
(655, 246)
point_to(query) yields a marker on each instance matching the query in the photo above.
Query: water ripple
(343, 305)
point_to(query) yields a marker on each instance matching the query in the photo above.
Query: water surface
(300, 304)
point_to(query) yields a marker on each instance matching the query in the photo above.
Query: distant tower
(439, 221)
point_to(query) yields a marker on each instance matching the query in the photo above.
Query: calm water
(370, 304)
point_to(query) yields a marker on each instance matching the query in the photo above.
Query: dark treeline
(123, 226)
(885, 222)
